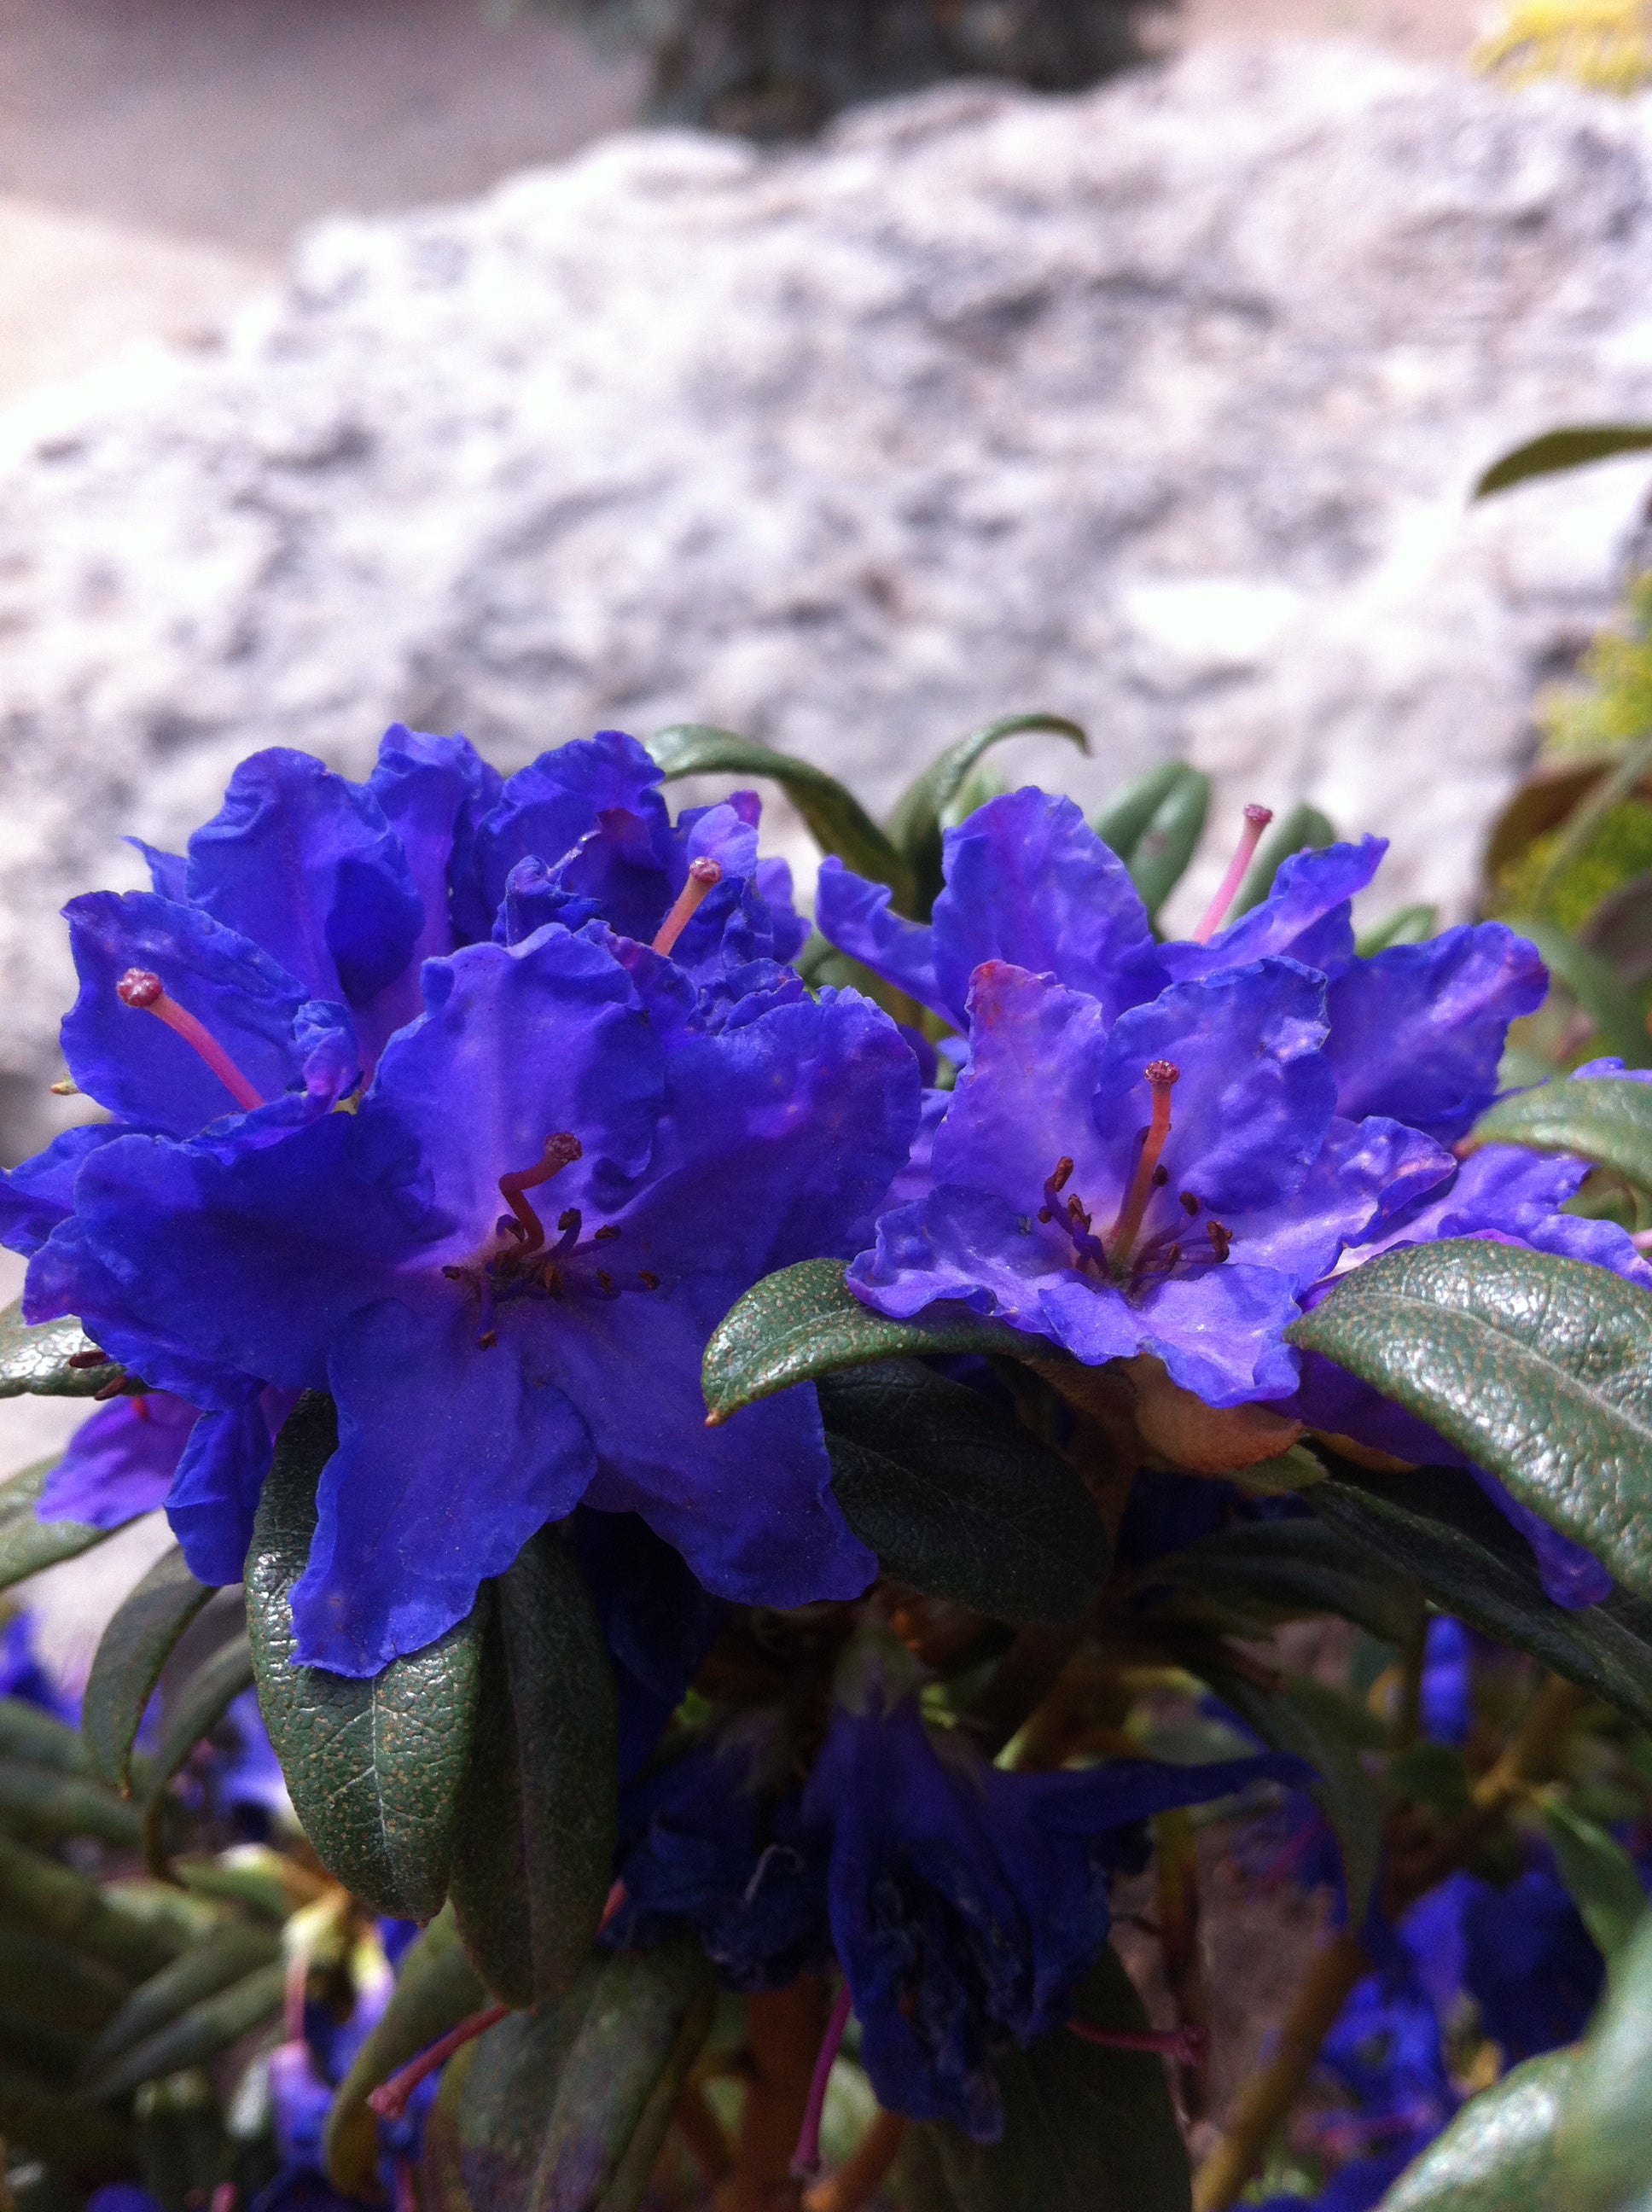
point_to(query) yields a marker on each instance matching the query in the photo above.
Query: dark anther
(1044, 1213)
(1221, 1239)
(1063, 1169)
(454, 1274)
(1189, 1203)
(649, 1280)
(569, 1218)
(1161, 1176)
(93, 1358)
(606, 1235)
(604, 1282)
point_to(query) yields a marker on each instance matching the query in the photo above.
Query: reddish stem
(1188, 2045)
(704, 876)
(806, 2162)
(390, 2098)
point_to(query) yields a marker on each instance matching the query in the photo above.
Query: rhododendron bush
(774, 1474)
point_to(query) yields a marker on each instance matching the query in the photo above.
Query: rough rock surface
(1157, 406)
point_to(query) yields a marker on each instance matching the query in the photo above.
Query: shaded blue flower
(1166, 1182)
(659, 1622)
(1447, 1683)
(1529, 1963)
(484, 1362)
(25, 1675)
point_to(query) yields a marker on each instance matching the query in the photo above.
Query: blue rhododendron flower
(1169, 1181)
(482, 1358)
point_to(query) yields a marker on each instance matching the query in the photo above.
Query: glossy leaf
(1603, 2148)
(1590, 979)
(34, 1361)
(1329, 1732)
(197, 2037)
(29, 1546)
(436, 1987)
(1303, 829)
(1605, 1119)
(46, 1899)
(916, 824)
(1573, 447)
(1291, 1568)
(1121, 822)
(836, 819)
(1171, 838)
(1599, 1874)
(1537, 1368)
(1438, 1527)
(77, 2140)
(1406, 925)
(198, 1708)
(375, 1768)
(48, 1809)
(1498, 2154)
(134, 1648)
(225, 1957)
(957, 1499)
(805, 1321)
(563, 2108)
(1085, 2128)
(534, 1847)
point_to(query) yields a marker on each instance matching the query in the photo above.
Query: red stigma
(139, 987)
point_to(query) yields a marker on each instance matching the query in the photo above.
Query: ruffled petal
(119, 1462)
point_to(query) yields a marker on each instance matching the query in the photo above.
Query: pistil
(1190, 2045)
(142, 987)
(561, 1149)
(1164, 1076)
(1256, 820)
(704, 875)
(805, 2161)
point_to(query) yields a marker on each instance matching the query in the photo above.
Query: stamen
(1164, 1076)
(487, 1334)
(704, 875)
(561, 1152)
(390, 2098)
(1221, 1239)
(93, 1358)
(649, 1280)
(805, 2159)
(1189, 2045)
(1256, 820)
(142, 987)
(1190, 1204)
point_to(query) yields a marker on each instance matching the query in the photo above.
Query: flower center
(1256, 820)
(142, 988)
(1117, 1259)
(524, 1266)
(704, 875)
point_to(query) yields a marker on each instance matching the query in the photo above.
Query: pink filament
(1190, 2045)
(805, 2159)
(704, 875)
(1256, 820)
(140, 988)
(390, 2098)
(225, 2197)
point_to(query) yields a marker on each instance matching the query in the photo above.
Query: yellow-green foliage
(1612, 705)
(1604, 43)
(1620, 847)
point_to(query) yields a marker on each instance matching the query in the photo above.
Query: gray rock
(1157, 406)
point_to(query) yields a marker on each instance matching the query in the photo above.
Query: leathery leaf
(134, 1648)
(35, 1361)
(1604, 1119)
(28, 1545)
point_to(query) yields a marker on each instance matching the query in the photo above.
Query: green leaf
(35, 1362)
(196, 2037)
(1170, 838)
(804, 1323)
(563, 2109)
(134, 1648)
(1303, 829)
(533, 1851)
(1603, 2154)
(1620, 931)
(836, 819)
(47, 1808)
(1498, 2154)
(1600, 1873)
(1573, 447)
(1591, 981)
(436, 1988)
(1121, 822)
(1329, 1731)
(48, 1899)
(1440, 1528)
(1292, 1568)
(69, 2136)
(1406, 925)
(1536, 1368)
(56, 1981)
(919, 813)
(1431, 1774)
(199, 1706)
(27, 1732)
(1605, 1119)
(27, 1545)
(1085, 2128)
(226, 1956)
(375, 1767)
(956, 1499)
